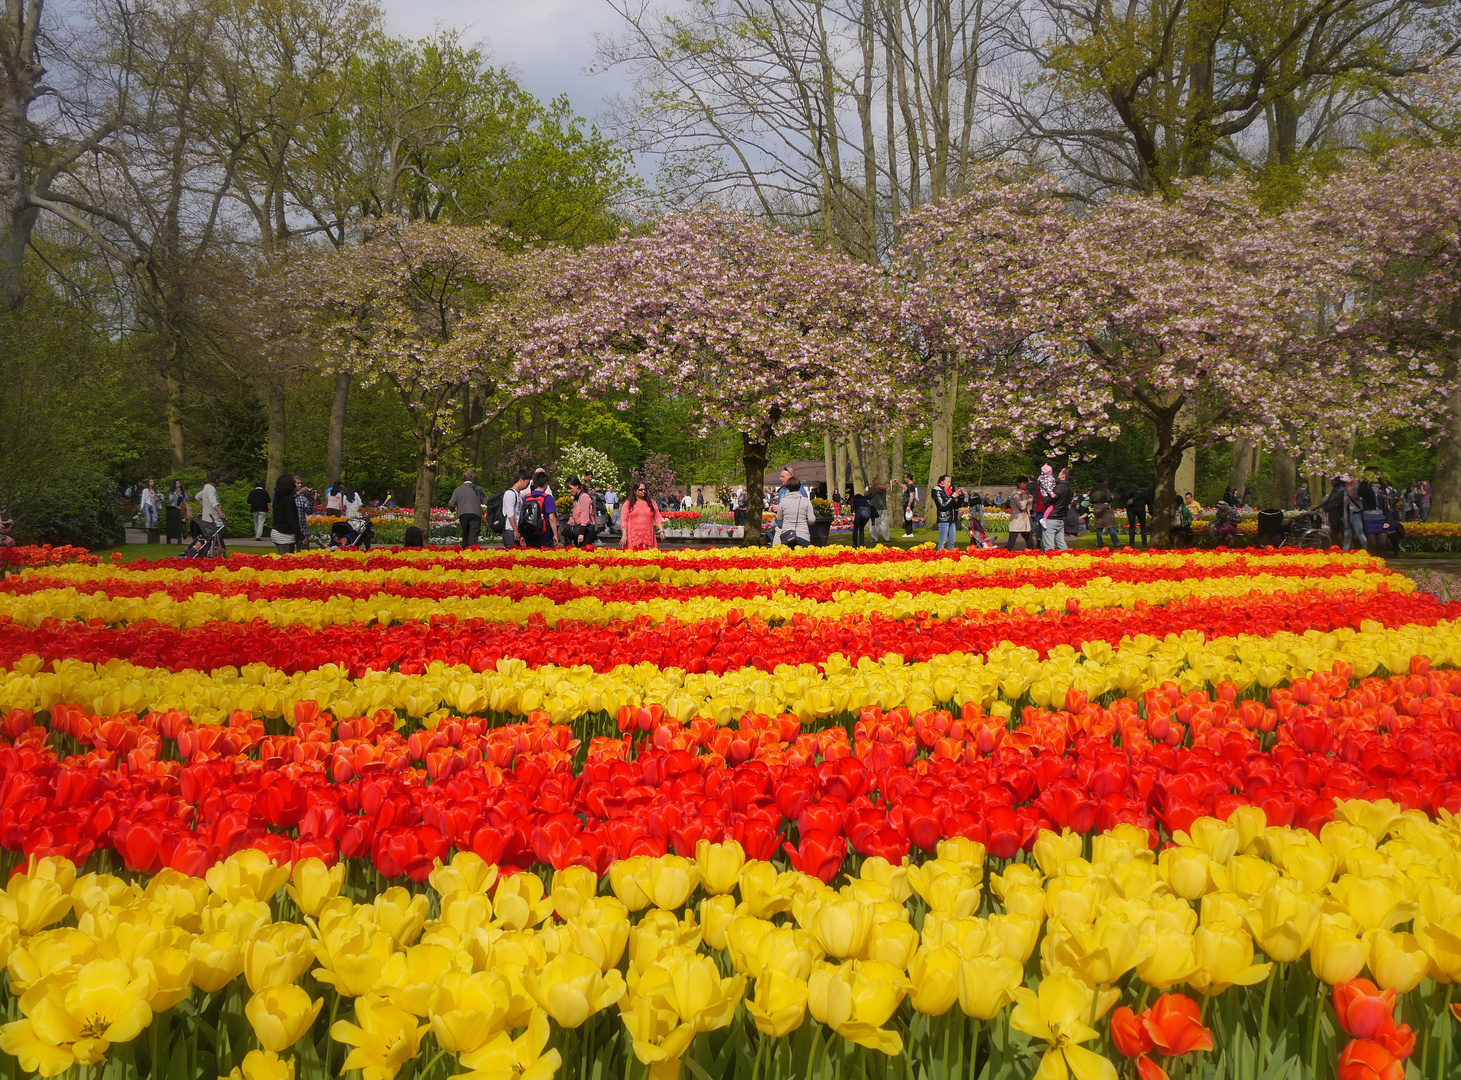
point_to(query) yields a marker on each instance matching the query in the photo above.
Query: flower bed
(730, 814)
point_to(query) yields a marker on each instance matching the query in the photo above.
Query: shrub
(74, 505)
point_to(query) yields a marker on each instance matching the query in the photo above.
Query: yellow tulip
(947, 887)
(716, 913)
(1217, 839)
(765, 892)
(519, 901)
(280, 1015)
(34, 903)
(1337, 955)
(240, 919)
(719, 865)
(1122, 841)
(657, 1036)
(1397, 960)
(856, 999)
(522, 1058)
(1058, 1014)
(624, 879)
(1105, 951)
(1285, 921)
(402, 915)
(780, 1003)
(76, 1023)
(311, 883)
(352, 958)
(263, 1065)
(1077, 898)
(246, 875)
(1054, 850)
(1224, 954)
(1246, 875)
(178, 898)
(1025, 900)
(601, 931)
(1172, 959)
(669, 880)
(1016, 875)
(895, 878)
(217, 961)
(1375, 903)
(467, 870)
(934, 974)
(1187, 871)
(463, 911)
(893, 941)
(571, 988)
(383, 1038)
(1376, 818)
(840, 927)
(987, 984)
(967, 853)
(280, 954)
(1251, 822)
(468, 1009)
(573, 887)
(692, 985)
(170, 972)
(1441, 940)
(409, 977)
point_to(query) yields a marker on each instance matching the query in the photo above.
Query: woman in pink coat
(640, 521)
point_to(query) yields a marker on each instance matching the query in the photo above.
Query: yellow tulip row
(691, 569)
(993, 681)
(1101, 592)
(496, 963)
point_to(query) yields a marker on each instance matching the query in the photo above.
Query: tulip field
(820, 814)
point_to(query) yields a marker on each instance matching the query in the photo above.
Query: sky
(547, 43)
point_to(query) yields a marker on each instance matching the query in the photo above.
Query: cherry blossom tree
(1392, 228)
(1189, 311)
(428, 309)
(767, 333)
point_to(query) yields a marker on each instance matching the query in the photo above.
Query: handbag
(1374, 521)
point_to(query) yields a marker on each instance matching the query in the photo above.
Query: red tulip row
(895, 785)
(714, 644)
(636, 591)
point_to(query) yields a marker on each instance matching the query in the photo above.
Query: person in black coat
(1138, 502)
(288, 530)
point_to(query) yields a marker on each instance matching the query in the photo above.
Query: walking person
(580, 530)
(881, 527)
(1056, 512)
(151, 503)
(208, 508)
(1354, 517)
(862, 514)
(511, 506)
(288, 530)
(1021, 503)
(537, 521)
(1103, 514)
(259, 507)
(794, 516)
(640, 522)
(910, 498)
(947, 502)
(1138, 501)
(1425, 500)
(467, 501)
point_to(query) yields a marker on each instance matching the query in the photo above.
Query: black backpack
(494, 514)
(531, 521)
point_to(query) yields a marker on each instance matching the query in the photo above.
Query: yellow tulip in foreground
(1057, 1014)
(263, 1065)
(780, 1003)
(280, 1015)
(856, 998)
(571, 988)
(76, 1023)
(384, 1037)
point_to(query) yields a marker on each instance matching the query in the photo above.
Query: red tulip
(1174, 1023)
(1128, 1034)
(820, 855)
(1363, 1059)
(1362, 1008)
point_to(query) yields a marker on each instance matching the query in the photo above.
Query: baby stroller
(1306, 531)
(356, 532)
(207, 543)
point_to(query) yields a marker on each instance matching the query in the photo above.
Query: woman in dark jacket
(288, 530)
(947, 501)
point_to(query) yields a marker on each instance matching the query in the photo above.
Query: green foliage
(575, 460)
(73, 504)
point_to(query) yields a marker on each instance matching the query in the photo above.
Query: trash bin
(1270, 527)
(174, 523)
(154, 536)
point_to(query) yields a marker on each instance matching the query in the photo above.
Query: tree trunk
(827, 460)
(425, 484)
(1168, 458)
(859, 470)
(753, 457)
(22, 80)
(841, 456)
(174, 381)
(335, 454)
(1446, 487)
(1281, 495)
(1242, 459)
(276, 397)
(474, 440)
(895, 467)
(941, 433)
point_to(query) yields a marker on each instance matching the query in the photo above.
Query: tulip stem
(760, 1049)
(973, 1069)
(1263, 1020)
(432, 1063)
(948, 1024)
(1318, 1023)
(329, 1039)
(1445, 1031)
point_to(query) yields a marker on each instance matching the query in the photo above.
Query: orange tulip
(1174, 1024)
(1362, 1007)
(1128, 1033)
(1366, 1060)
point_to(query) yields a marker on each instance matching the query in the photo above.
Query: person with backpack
(1103, 513)
(537, 520)
(509, 505)
(582, 528)
(862, 516)
(467, 501)
(640, 523)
